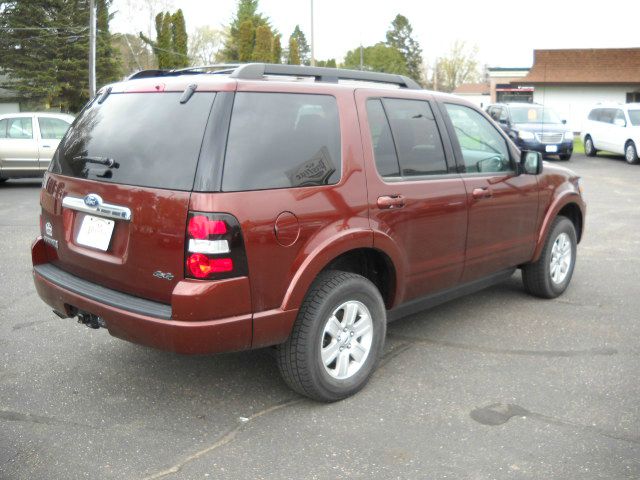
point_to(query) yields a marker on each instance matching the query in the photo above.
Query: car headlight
(525, 135)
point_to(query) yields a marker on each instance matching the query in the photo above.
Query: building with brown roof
(573, 80)
(478, 93)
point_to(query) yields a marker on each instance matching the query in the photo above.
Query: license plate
(551, 148)
(95, 232)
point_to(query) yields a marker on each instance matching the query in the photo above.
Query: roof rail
(256, 71)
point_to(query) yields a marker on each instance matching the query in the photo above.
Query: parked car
(27, 142)
(534, 127)
(209, 212)
(614, 128)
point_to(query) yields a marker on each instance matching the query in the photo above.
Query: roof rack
(257, 71)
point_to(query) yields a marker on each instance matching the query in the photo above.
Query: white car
(614, 128)
(28, 141)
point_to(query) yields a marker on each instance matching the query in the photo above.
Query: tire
(300, 358)
(565, 157)
(589, 149)
(631, 153)
(2, 180)
(538, 277)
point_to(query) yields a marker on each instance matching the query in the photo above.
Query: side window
(619, 118)
(607, 115)
(282, 140)
(483, 148)
(416, 137)
(384, 150)
(3, 128)
(20, 128)
(504, 116)
(594, 114)
(494, 112)
(52, 128)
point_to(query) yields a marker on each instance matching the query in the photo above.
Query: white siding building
(573, 81)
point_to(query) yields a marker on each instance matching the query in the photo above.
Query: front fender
(565, 198)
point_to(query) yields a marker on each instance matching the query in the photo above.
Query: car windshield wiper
(108, 162)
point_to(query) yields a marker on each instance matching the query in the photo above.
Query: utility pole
(361, 57)
(313, 56)
(92, 48)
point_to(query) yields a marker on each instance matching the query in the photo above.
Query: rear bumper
(221, 335)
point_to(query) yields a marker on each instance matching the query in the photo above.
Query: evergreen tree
(276, 50)
(179, 40)
(304, 51)
(378, 58)
(247, 11)
(262, 50)
(294, 54)
(45, 51)
(399, 36)
(170, 46)
(246, 41)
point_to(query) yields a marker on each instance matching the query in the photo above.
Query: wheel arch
(569, 205)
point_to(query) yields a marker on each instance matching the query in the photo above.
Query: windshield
(634, 116)
(142, 139)
(533, 114)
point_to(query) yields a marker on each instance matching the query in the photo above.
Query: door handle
(46, 146)
(390, 201)
(482, 192)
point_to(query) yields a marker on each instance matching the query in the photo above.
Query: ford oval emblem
(92, 200)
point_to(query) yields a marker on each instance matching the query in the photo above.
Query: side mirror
(564, 122)
(531, 162)
(618, 122)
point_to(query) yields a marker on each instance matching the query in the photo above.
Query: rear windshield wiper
(107, 162)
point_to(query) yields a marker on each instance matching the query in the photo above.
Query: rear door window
(416, 136)
(282, 140)
(20, 128)
(384, 150)
(153, 139)
(52, 128)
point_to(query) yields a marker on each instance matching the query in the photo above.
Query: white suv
(614, 128)
(28, 141)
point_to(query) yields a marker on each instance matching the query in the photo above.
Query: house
(574, 80)
(478, 93)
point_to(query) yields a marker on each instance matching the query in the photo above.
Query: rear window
(282, 140)
(153, 139)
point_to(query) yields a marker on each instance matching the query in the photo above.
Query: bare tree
(459, 66)
(205, 44)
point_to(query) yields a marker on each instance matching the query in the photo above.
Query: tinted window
(634, 116)
(383, 147)
(154, 139)
(416, 137)
(19, 128)
(483, 148)
(280, 140)
(52, 128)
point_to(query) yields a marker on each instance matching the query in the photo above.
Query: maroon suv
(204, 211)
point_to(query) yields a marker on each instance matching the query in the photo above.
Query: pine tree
(262, 49)
(179, 41)
(47, 66)
(304, 51)
(399, 37)
(294, 54)
(246, 41)
(170, 46)
(246, 11)
(276, 50)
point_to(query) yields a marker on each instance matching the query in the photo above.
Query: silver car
(28, 141)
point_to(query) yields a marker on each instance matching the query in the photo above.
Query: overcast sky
(505, 32)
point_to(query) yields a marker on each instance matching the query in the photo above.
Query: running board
(435, 299)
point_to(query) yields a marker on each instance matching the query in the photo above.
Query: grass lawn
(578, 147)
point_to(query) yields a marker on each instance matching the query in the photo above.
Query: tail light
(214, 247)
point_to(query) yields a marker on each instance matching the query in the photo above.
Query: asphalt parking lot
(496, 385)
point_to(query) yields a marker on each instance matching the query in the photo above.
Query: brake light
(214, 247)
(200, 227)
